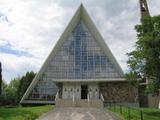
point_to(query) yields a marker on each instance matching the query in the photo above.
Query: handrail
(88, 97)
(101, 96)
(57, 96)
(73, 98)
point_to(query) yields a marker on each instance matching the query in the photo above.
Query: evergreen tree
(24, 83)
(0, 78)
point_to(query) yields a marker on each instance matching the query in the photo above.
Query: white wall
(93, 89)
(75, 88)
(71, 88)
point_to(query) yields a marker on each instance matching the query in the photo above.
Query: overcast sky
(29, 29)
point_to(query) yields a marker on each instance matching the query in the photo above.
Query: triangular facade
(80, 55)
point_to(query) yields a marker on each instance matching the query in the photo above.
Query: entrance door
(84, 91)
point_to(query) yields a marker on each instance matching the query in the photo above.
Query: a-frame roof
(81, 14)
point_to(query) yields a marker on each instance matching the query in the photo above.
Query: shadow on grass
(153, 114)
(15, 113)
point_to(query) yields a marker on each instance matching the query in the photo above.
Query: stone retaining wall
(118, 92)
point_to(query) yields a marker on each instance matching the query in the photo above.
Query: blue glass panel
(84, 57)
(97, 60)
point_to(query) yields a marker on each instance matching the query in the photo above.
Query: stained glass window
(81, 57)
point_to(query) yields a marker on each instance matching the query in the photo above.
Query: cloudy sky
(29, 29)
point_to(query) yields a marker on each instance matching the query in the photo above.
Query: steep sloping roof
(81, 14)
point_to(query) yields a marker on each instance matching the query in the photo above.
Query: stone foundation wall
(118, 92)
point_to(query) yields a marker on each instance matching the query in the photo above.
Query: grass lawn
(135, 113)
(23, 113)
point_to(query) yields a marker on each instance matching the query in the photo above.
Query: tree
(9, 92)
(24, 83)
(132, 79)
(0, 78)
(144, 61)
(3, 93)
(12, 92)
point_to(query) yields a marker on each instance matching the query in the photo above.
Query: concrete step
(79, 103)
(76, 113)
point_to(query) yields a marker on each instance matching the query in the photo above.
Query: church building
(80, 70)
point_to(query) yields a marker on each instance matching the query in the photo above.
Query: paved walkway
(78, 114)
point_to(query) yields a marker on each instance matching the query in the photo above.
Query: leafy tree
(144, 61)
(9, 92)
(12, 89)
(24, 83)
(12, 92)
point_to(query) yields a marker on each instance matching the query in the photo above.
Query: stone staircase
(76, 113)
(79, 103)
